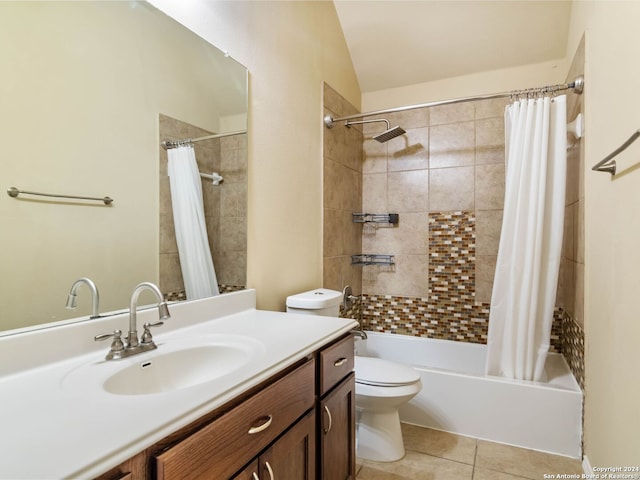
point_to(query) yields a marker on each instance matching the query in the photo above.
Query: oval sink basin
(175, 365)
(176, 370)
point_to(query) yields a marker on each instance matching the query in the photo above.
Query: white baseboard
(586, 466)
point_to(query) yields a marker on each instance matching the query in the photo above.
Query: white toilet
(381, 386)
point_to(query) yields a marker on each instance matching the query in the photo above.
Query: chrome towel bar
(14, 192)
(608, 164)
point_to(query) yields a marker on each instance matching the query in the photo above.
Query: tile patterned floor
(435, 455)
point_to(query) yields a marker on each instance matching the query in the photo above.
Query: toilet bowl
(381, 386)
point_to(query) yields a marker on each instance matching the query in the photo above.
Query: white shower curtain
(526, 277)
(191, 230)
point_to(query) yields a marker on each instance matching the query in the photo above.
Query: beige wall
(612, 230)
(80, 117)
(290, 49)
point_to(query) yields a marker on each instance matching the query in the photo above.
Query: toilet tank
(320, 301)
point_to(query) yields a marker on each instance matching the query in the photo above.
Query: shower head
(385, 136)
(389, 134)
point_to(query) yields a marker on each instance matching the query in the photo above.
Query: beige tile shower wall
(570, 296)
(224, 206)
(571, 282)
(395, 180)
(230, 246)
(342, 196)
(451, 159)
(207, 156)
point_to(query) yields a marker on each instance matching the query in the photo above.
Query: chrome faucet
(133, 346)
(163, 310)
(359, 332)
(95, 297)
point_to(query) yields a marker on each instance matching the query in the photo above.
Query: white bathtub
(458, 397)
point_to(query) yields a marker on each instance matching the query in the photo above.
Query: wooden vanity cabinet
(299, 425)
(221, 448)
(337, 456)
(336, 410)
(292, 456)
(134, 468)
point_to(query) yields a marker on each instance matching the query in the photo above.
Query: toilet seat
(382, 373)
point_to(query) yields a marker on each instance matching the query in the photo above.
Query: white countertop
(54, 427)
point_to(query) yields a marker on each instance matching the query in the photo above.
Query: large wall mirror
(87, 92)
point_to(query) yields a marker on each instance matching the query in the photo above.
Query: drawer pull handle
(340, 362)
(328, 429)
(262, 427)
(255, 476)
(271, 476)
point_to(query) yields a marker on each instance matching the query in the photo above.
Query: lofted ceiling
(394, 43)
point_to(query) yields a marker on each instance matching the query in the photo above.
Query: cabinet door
(226, 444)
(293, 456)
(132, 469)
(337, 432)
(249, 473)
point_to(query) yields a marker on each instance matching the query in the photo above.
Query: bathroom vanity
(280, 404)
(289, 427)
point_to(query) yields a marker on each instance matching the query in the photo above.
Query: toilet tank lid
(376, 371)
(315, 299)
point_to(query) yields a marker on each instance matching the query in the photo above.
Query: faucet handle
(147, 339)
(117, 346)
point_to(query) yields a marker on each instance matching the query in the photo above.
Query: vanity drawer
(221, 448)
(336, 362)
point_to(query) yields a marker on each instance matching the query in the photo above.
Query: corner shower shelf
(391, 218)
(372, 259)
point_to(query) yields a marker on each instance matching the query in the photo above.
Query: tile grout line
(440, 458)
(475, 458)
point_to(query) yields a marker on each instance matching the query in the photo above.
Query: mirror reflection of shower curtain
(191, 230)
(526, 278)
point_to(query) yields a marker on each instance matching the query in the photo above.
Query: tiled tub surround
(450, 311)
(342, 196)
(417, 317)
(445, 178)
(224, 205)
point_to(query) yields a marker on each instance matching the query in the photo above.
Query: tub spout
(359, 332)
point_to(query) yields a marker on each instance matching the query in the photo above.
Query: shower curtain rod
(577, 85)
(167, 144)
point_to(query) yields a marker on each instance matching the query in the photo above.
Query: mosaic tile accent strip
(181, 295)
(556, 331)
(451, 310)
(452, 257)
(222, 288)
(573, 346)
(178, 296)
(415, 316)
(421, 318)
(354, 312)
